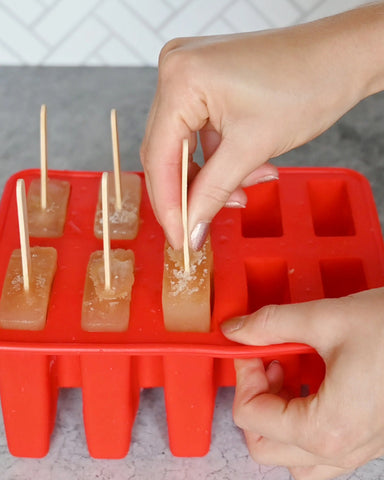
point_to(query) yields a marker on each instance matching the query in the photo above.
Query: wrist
(352, 45)
(364, 38)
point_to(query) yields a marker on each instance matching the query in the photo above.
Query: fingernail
(274, 362)
(232, 325)
(198, 235)
(267, 178)
(235, 204)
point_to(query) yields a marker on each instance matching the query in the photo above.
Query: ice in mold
(50, 221)
(124, 223)
(186, 296)
(107, 310)
(27, 310)
(296, 261)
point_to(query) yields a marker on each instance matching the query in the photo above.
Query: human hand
(251, 97)
(341, 426)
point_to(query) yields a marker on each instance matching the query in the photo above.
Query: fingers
(212, 188)
(275, 376)
(264, 173)
(173, 117)
(254, 381)
(271, 452)
(258, 410)
(210, 139)
(161, 158)
(312, 323)
(237, 199)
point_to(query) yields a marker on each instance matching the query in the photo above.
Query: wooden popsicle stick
(116, 159)
(43, 156)
(184, 201)
(106, 235)
(23, 232)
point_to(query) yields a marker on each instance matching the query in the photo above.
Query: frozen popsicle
(109, 280)
(22, 309)
(107, 310)
(48, 221)
(124, 223)
(125, 196)
(186, 295)
(47, 199)
(27, 285)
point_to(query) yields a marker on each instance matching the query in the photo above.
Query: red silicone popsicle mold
(312, 234)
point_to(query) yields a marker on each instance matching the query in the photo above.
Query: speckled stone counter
(79, 101)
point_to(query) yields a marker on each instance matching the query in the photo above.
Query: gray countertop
(79, 101)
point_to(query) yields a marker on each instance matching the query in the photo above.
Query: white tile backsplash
(137, 35)
(243, 17)
(132, 32)
(280, 12)
(155, 13)
(193, 18)
(77, 47)
(31, 10)
(330, 7)
(20, 42)
(307, 4)
(63, 19)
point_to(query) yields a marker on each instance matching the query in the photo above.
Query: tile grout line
(90, 14)
(116, 35)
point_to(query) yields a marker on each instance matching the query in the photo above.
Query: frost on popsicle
(186, 295)
(27, 309)
(108, 309)
(123, 222)
(48, 221)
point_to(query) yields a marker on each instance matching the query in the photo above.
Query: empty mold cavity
(267, 281)
(331, 208)
(262, 216)
(342, 276)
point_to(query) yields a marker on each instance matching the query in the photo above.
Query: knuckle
(239, 415)
(266, 316)
(216, 194)
(179, 62)
(173, 63)
(260, 450)
(169, 46)
(258, 455)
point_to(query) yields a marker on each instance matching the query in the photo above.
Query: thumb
(213, 186)
(274, 324)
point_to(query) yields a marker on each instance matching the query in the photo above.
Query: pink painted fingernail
(235, 204)
(274, 362)
(199, 234)
(267, 178)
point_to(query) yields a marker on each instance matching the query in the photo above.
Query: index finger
(270, 415)
(161, 158)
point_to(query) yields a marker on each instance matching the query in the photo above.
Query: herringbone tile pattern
(132, 32)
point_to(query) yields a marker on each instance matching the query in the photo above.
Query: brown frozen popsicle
(48, 221)
(27, 284)
(47, 198)
(124, 196)
(109, 280)
(108, 310)
(186, 296)
(124, 223)
(22, 309)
